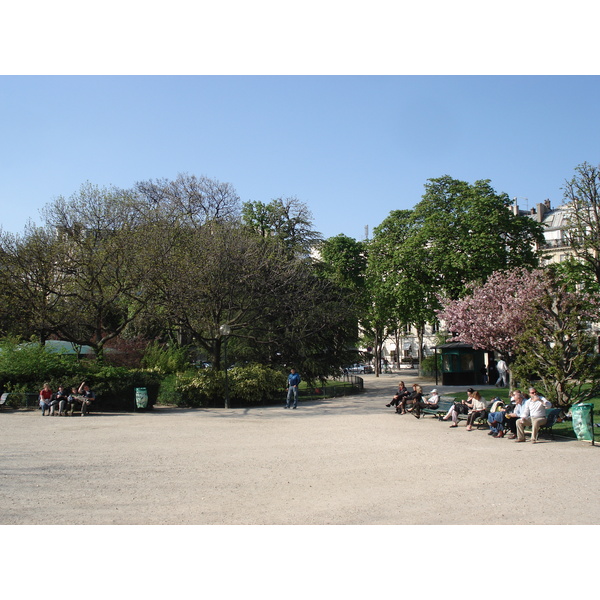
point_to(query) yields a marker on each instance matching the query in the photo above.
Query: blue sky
(352, 148)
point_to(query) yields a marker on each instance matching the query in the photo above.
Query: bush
(206, 388)
(166, 359)
(255, 384)
(25, 367)
(252, 384)
(428, 364)
(168, 392)
(30, 365)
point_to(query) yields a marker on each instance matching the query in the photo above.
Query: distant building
(555, 248)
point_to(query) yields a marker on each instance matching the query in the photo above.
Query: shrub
(166, 359)
(30, 365)
(428, 364)
(256, 383)
(206, 388)
(17, 396)
(168, 392)
(251, 384)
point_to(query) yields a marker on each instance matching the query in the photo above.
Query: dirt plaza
(347, 461)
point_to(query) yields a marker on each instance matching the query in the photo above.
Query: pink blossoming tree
(540, 324)
(492, 314)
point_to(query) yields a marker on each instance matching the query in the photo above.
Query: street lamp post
(225, 331)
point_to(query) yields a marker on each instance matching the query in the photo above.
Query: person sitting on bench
(477, 411)
(416, 397)
(460, 408)
(513, 412)
(433, 400)
(62, 399)
(401, 393)
(45, 399)
(87, 397)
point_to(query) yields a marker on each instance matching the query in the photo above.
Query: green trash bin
(583, 421)
(141, 398)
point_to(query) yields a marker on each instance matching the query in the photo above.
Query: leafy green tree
(398, 268)
(582, 232)
(558, 345)
(344, 261)
(466, 232)
(278, 310)
(286, 220)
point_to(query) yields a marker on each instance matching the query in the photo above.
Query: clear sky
(352, 148)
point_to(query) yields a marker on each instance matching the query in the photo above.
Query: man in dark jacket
(292, 389)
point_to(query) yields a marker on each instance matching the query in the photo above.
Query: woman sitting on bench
(460, 408)
(477, 411)
(401, 393)
(421, 403)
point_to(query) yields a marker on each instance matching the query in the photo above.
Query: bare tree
(104, 264)
(30, 282)
(192, 201)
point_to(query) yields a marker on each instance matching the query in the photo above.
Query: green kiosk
(461, 364)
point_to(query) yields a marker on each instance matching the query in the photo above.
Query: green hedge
(24, 368)
(249, 385)
(27, 367)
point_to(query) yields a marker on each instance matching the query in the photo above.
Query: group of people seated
(64, 402)
(474, 407)
(415, 398)
(523, 410)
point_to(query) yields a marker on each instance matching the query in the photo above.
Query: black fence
(23, 400)
(344, 386)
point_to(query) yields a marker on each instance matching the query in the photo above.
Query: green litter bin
(141, 398)
(583, 421)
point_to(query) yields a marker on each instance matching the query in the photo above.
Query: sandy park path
(339, 461)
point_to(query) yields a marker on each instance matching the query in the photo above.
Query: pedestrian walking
(502, 371)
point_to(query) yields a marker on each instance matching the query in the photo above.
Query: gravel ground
(339, 461)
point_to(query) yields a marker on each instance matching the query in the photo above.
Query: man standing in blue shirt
(292, 389)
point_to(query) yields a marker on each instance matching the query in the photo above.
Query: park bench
(444, 405)
(551, 420)
(29, 400)
(442, 408)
